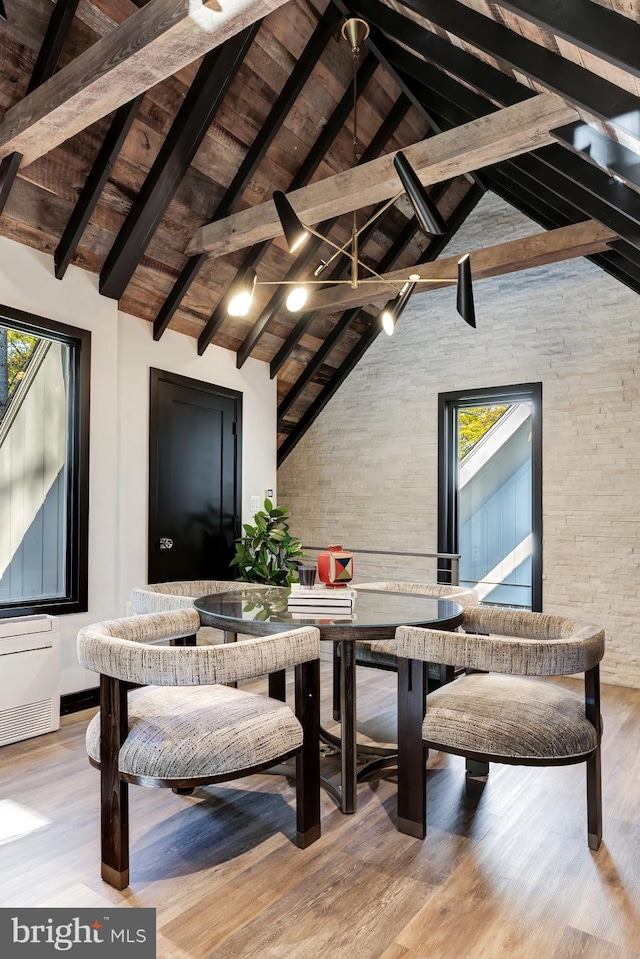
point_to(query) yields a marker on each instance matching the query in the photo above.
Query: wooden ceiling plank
(587, 25)
(569, 80)
(189, 128)
(254, 156)
(553, 246)
(434, 249)
(385, 263)
(511, 131)
(150, 45)
(313, 245)
(94, 185)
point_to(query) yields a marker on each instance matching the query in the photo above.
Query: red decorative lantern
(335, 566)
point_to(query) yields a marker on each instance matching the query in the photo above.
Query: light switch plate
(255, 504)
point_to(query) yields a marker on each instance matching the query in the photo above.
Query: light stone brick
(365, 474)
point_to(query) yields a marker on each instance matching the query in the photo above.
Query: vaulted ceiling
(135, 141)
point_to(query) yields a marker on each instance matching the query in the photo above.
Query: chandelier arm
(364, 226)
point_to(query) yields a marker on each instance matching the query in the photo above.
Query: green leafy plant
(267, 553)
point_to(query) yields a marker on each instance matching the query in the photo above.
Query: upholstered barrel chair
(500, 714)
(187, 728)
(382, 655)
(163, 597)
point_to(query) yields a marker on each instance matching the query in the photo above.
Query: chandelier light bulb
(297, 299)
(242, 295)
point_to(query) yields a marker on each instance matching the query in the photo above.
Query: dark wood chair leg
(337, 714)
(594, 774)
(476, 769)
(412, 755)
(278, 685)
(114, 826)
(308, 759)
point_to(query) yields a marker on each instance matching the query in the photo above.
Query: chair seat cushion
(509, 717)
(178, 732)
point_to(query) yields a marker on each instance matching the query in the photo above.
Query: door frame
(448, 524)
(175, 379)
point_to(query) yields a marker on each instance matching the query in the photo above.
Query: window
(490, 491)
(44, 459)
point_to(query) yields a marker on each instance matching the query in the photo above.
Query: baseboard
(75, 702)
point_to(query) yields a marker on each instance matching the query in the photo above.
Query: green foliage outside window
(16, 349)
(473, 423)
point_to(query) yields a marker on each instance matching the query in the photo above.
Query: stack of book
(332, 602)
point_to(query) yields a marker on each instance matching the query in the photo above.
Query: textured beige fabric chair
(497, 715)
(382, 655)
(186, 729)
(164, 597)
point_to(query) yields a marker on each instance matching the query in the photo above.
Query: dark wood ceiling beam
(600, 31)
(311, 163)
(153, 43)
(395, 250)
(57, 31)
(94, 185)
(254, 156)
(569, 80)
(189, 128)
(488, 81)
(380, 139)
(601, 150)
(9, 167)
(568, 175)
(491, 82)
(435, 248)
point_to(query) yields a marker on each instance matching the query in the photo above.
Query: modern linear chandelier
(296, 233)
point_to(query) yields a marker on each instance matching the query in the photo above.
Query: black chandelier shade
(392, 312)
(465, 305)
(3, 13)
(426, 211)
(294, 230)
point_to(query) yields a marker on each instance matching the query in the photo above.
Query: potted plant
(267, 553)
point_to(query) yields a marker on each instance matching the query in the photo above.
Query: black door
(194, 478)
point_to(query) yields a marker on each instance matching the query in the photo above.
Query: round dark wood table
(262, 611)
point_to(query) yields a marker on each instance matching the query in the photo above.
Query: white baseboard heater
(29, 677)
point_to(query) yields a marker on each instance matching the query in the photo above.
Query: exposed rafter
(587, 25)
(153, 43)
(254, 156)
(311, 247)
(434, 249)
(94, 184)
(485, 141)
(569, 80)
(188, 130)
(304, 174)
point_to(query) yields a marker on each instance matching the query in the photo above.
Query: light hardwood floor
(506, 873)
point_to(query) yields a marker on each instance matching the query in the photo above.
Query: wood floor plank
(504, 873)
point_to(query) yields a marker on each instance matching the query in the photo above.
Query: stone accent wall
(365, 474)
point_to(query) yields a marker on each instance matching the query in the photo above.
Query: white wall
(365, 474)
(122, 352)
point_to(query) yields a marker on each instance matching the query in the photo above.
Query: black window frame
(448, 522)
(76, 595)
